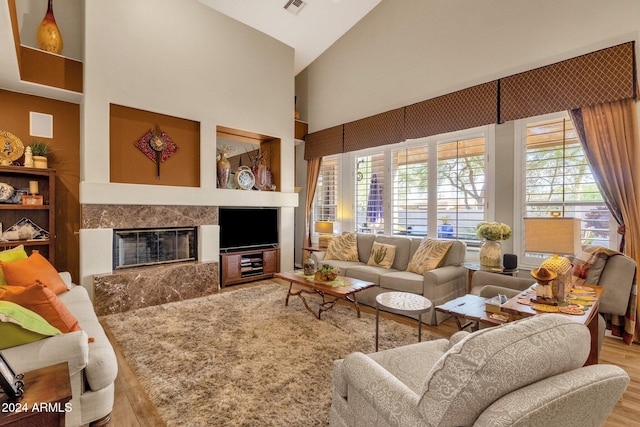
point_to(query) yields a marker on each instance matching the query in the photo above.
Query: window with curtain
(369, 193)
(325, 203)
(452, 172)
(557, 178)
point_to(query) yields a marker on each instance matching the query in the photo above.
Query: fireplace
(157, 246)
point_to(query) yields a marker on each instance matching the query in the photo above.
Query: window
(461, 189)
(557, 178)
(325, 202)
(410, 199)
(442, 176)
(369, 193)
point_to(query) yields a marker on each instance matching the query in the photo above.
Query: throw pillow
(35, 268)
(42, 301)
(10, 255)
(382, 255)
(343, 248)
(429, 255)
(21, 326)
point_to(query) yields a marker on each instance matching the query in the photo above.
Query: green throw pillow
(21, 326)
(10, 255)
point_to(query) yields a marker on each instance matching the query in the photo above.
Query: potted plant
(40, 150)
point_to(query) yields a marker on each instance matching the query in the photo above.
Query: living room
(207, 68)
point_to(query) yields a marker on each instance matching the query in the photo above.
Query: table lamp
(557, 236)
(325, 228)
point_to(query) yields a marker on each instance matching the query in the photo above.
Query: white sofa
(440, 285)
(92, 365)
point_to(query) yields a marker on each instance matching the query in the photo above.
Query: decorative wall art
(157, 146)
(11, 148)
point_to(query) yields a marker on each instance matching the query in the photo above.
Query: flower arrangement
(493, 231)
(224, 149)
(326, 273)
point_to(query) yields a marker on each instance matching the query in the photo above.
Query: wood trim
(49, 69)
(242, 135)
(13, 15)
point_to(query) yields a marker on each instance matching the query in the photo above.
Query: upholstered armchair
(524, 373)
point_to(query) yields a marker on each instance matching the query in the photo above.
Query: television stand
(248, 265)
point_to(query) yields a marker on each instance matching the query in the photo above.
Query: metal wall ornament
(157, 146)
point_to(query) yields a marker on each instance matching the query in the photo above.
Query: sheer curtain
(313, 171)
(609, 135)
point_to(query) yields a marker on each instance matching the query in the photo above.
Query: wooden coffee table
(346, 292)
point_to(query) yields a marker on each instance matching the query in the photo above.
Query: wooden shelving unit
(249, 265)
(43, 215)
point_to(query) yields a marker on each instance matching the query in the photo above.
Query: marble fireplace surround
(124, 290)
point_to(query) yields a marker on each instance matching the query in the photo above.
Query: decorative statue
(28, 157)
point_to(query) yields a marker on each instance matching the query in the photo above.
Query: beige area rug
(242, 358)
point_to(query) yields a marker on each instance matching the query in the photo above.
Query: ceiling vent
(295, 6)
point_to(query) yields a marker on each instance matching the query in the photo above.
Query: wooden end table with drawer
(44, 402)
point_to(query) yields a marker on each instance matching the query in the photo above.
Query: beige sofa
(524, 373)
(439, 285)
(92, 365)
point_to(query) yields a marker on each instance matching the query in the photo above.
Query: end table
(44, 402)
(402, 303)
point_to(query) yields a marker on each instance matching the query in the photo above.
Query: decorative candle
(33, 187)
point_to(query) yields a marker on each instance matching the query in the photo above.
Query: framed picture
(32, 200)
(11, 383)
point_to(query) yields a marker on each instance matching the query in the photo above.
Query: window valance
(381, 129)
(606, 75)
(324, 142)
(464, 109)
(603, 76)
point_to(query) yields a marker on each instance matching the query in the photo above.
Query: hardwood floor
(132, 408)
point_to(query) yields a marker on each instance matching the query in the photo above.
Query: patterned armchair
(525, 373)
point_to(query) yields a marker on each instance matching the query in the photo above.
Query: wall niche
(128, 164)
(247, 148)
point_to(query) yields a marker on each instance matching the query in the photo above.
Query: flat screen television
(246, 228)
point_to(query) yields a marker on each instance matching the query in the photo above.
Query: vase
(223, 168)
(48, 35)
(40, 162)
(490, 255)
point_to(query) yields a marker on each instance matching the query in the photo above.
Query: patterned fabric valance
(324, 142)
(602, 76)
(381, 129)
(464, 109)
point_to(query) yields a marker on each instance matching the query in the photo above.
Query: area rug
(242, 358)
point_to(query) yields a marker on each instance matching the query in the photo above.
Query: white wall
(186, 60)
(413, 50)
(409, 51)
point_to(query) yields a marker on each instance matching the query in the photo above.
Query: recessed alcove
(247, 145)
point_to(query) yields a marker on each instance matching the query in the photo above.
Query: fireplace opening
(144, 246)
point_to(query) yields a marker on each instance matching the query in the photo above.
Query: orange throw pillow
(36, 268)
(43, 301)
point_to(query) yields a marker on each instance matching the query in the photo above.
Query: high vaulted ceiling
(310, 32)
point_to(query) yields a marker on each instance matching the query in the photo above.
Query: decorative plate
(244, 178)
(11, 147)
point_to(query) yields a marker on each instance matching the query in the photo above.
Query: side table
(403, 303)
(44, 402)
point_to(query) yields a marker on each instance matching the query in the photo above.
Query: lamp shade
(552, 235)
(324, 227)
